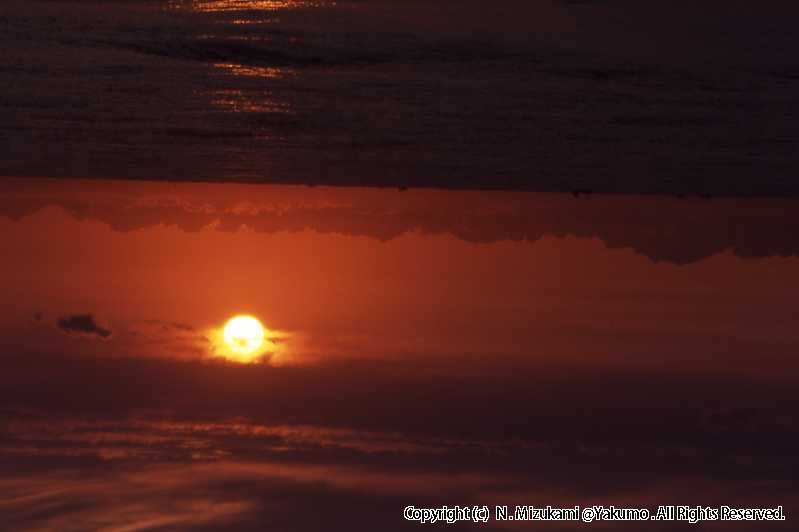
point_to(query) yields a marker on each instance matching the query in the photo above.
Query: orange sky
(418, 295)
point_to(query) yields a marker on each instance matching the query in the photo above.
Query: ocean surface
(613, 96)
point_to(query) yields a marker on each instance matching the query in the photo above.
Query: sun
(244, 334)
(245, 340)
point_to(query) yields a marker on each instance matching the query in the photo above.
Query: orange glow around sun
(244, 338)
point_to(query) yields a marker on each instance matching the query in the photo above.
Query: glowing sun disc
(244, 334)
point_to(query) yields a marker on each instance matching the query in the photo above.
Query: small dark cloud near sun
(83, 324)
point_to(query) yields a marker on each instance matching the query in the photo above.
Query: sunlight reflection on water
(254, 71)
(247, 5)
(251, 21)
(237, 101)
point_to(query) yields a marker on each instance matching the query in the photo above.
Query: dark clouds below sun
(202, 446)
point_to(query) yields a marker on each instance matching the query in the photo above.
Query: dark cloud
(670, 229)
(83, 324)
